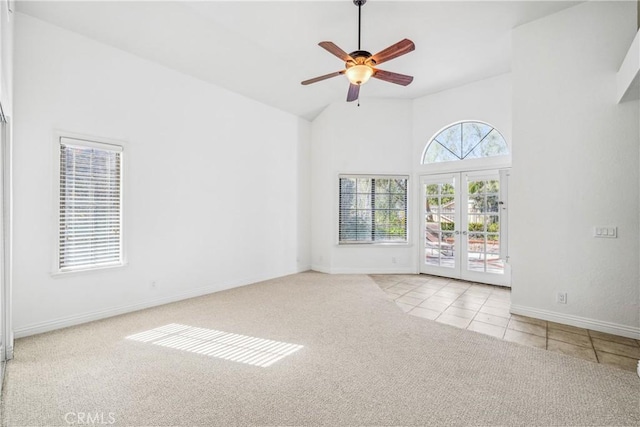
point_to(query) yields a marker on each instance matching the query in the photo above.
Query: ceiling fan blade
(398, 49)
(388, 76)
(354, 92)
(320, 78)
(332, 48)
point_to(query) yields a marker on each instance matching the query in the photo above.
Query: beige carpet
(363, 362)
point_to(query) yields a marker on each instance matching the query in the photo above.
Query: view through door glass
(483, 226)
(462, 226)
(440, 218)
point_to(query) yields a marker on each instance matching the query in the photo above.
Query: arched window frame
(502, 161)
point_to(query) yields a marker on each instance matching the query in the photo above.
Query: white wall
(303, 196)
(388, 136)
(575, 166)
(212, 180)
(374, 138)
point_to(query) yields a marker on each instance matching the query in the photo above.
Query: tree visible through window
(465, 140)
(373, 209)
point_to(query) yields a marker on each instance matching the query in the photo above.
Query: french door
(464, 226)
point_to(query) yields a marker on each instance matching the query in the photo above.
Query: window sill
(374, 245)
(67, 273)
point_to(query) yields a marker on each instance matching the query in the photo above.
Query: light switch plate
(605, 232)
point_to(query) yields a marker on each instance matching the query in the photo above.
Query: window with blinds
(90, 225)
(373, 209)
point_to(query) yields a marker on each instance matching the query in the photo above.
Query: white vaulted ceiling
(264, 49)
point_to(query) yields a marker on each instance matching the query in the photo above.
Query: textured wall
(212, 180)
(575, 167)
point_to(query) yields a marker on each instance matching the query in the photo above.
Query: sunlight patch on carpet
(219, 344)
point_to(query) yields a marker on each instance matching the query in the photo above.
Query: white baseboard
(63, 322)
(321, 269)
(377, 270)
(577, 321)
(302, 269)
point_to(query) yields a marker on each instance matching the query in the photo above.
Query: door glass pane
(439, 219)
(475, 252)
(483, 238)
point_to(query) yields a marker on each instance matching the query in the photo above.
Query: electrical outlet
(561, 298)
(394, 260)
(154, 284)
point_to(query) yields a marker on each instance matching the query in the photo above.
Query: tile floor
(485, 309)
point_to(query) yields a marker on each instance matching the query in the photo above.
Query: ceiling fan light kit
(360, 64)
(359, 74)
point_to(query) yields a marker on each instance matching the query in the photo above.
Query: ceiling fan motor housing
(360, 57)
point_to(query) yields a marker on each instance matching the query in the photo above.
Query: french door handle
(457, 232)
(464, 233)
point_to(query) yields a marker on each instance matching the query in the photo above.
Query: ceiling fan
(360, 65)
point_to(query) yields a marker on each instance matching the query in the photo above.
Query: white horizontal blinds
(355, 210)
(90, 205)
(390, 209)
(372, 209)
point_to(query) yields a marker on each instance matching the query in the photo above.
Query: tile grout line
(593, 347)
(546, 336)
(476, 312)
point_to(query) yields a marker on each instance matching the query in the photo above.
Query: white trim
(7, 238)
(321, 269)
(382, 244)
(629, 73)
(372, 176)
(433, 137)
(72, 138)
(578, 321)
(504, 217)
(485, 163)
(467, 165)
(64, 322)
(302, 269)
(336, 210)
(66, 273)
(367, 271)
(76, 142)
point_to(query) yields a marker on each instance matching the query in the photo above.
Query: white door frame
(6, 352)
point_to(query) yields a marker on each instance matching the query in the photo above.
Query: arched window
(465, 140)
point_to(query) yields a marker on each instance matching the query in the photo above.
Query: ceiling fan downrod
(359, 3)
